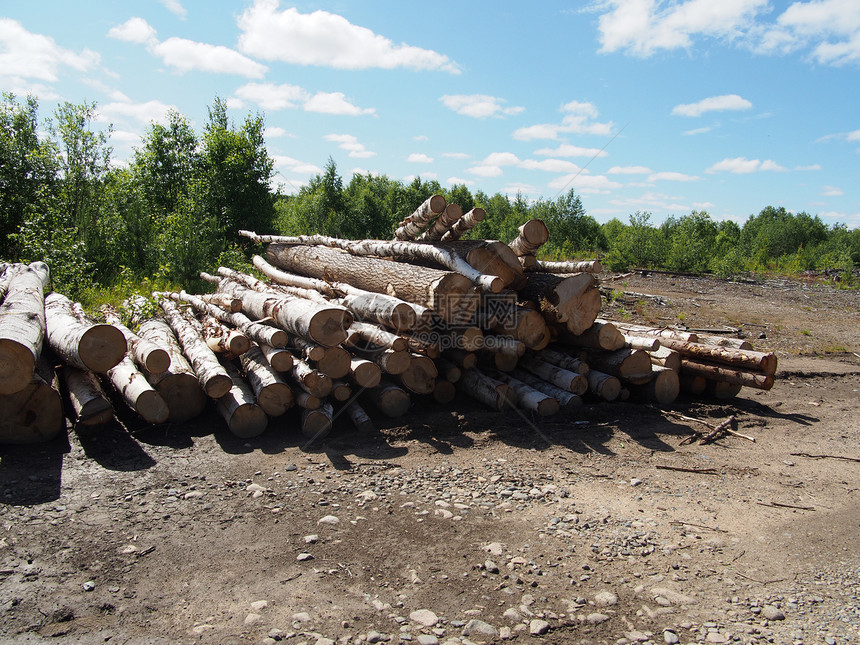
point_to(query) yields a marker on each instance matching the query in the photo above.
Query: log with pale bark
(648, 343)
(742, 359)
(333, 361)
(306, 400)
(146, 354)
(87, 346)
(222, 339)
(316, 423)
(528, 397)
(362, 333)
(365, 373)
(465, 224)
(391, 362)
(725, 341)
(33, 414)
(487, 390)
(567, 400)
(239, 408)
(558, 376)
(660, 332)
(573, 301)
(721, 389)
(632, 365)
(444, 391)
(420, 376)
(445, 220)
(390, 399)
(692, 384)
(222, 301)
(178, 385)
(497, 360)
(279, 358)
(524, 324)
(604, 386)
(586, 266)
(272, 393)
(565, 360)
(663, 388)
(212, 376)
(311, 380)
(341, 390)
(488, 257)
(726, 374)
(666, 357)
(90, 405)
(412, 226)
(601, 335)
(359, 417)
(22, 324)
(137, 392)
(532, 235)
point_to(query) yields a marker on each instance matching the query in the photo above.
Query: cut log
(601, 335)
(450, 294)
(223, 301)
(428, 344)
(222, 339)
(178, 384)
(663, 388)
(722, 389)
(604, 386)
(136, 391)
(22, 325)
(391, 362)
(533, 234)
(341, 390)
(465, 224)
(567, 400)
(692, 383)
(529, 262)
(444, 391)
(388, 398)
(530, 398)
(280, 359)
(146, 354)
(489, 257)
(239, 409)
(316, 424)
(412, 226)
(35, 413)
(311, 380)
(273, 395)
(726, 341)
(726, 374)
(632, 365)
(558, 376)
(573, 300)
(359, 418)
(448, 370)
(212, 376)
(648, 343)
(446, 219)
(487, 390)
(87, 346)
(497, 360)
(586, 266)
(365, 373)
(90, 404)
(333, 361)
(466, 360)
(306, 400)
(526, 325)
(666, 357)
(361, 334)
(564, 360)
(743, 359)
(420, 376)
(660, 332)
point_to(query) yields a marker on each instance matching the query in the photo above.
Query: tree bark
(136, 391)
(726, 374)
(446, 219)
(633, 365)
(566, 399)
(660, 332)
(306, 400)
(391, 362)
(558, 376)
(365, 373)
(388, 398)
(22, 325)
(333, 361)
(316, 424)
(178, 384)
(726, 341)
(666, 357)
(280, 359)
(744, 359)
(83, 345)
(564, 360)
(239, 409)
(222, 339)
(492, 393)
(411, 226)
(90, 404)
(533, 234)
(649, 344)
(311, 380)
(530, 398)
(465, 224)
(359, 418)
(33, 414)
(489, 257)
(603, 385)
(587, 266)
(273, 395)
(147, 354)
(212, 376)
(601, 335)
(362, 333)
(223, 301)
(573, 300)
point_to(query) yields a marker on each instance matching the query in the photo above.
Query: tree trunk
(488, 257)
(564, 360)
(446, 219)
(663, 388)
(280, 359)
(533, 235)
(492, 393)
(566, 399)
(603, 385)
(420, 377)
(365, 373)
(391, 362)
(238, 407)
(362, 333)
(316, 424)
(601, 335)
(388, 398)
(649, 344)
(332, 361)
(444, 391)
(273, 395)
(524, 324)
(222, 339)
(744, 359)
(212, 376)
(22, 325)
(465, 224)
(136, 391)
(573, 300)
(558, 376)
(722, 389)
(450, 294)
(341, 390)
(306, 400)
(660, 332)
(726, 341)
(412, 225)
(587, 266)
(178, 384)
(666, 357)
(712, 372)
(83, 345)
(90, 404)
(223, 301)
(359, 418)
(148, 355)
(530, 398)
(311, 380)
(633, 365)
(692, 383)
(35, 413)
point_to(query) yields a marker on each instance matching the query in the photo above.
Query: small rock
(368, 496)
(635, 482)
(772, 613)
(670, 637)
(322, 640)
(427, 639)
(716, 637)
(374, 637)
(674, 597)
(491, 566)
(329, 519)
(276, 634)
(89, 585)
(302, 617)
(424, 617)
(596, 618)
(605, 599)
(505, 633)
(253, 619)
(259, 605)
(255, 488)
(311, 539)
(304, 557)
(494, 548)
(538, 627)
(512, 615)
(476, 627)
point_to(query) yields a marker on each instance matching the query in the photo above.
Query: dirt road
(466, 525)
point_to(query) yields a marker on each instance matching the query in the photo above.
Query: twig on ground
(699, 526)
(701, 471)
(806, 454)
(781, 505)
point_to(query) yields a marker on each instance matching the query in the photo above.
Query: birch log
(420, 376)
(444, 391)
(333, 361)
(666, 357)
(90, 405)
(222, 339)
(178, 384)
(605, 386)
(742, 359)
(586, 266)
(365, 373)
(567, 400)
(446, 219)
(147, 354)
(22, 325)
(280, 359)
(388, 398)
(558, 376)
(487, 390)
(83, 345)
(632, 365)
(239, 409)
(601, 335)
(273, 395)
(212, 376)
(137, 392)
(35, 413)
(316, 424)
(391, 362)
(663, 388)
(533, 234)
(528, 397)
(465, 224)
(727, 374)
(573, 300)
(362, 333)
(311, 380)
(564, 360)
(359, 418)
(341, 390)
(411, 226)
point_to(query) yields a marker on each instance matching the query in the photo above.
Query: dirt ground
(457, 524)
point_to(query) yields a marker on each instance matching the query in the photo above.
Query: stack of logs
(339, 325)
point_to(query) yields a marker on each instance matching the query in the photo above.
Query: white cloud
(408, 179)
(421, 137)
(814, 166)
(830, 27)
(479, 106)
(141, 112)
(273, 132)
(628, 170)
(832, 191)
(27, 55)
(455, 155)
(334, 103)
(350, 143)
(327, 39)
(419, 157)
(550, 165)
(743, 166)
(695, 131)
(671, 176)
(713, 104)
(567, 150)
(577, 119)
(289, 164)
(187, 55)
(451, 181)
(175, 7)
(584, 183)
(485, 171)
(272, 97)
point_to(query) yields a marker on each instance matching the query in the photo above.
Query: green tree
(691, 243)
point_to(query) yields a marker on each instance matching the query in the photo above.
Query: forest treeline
(174, 208)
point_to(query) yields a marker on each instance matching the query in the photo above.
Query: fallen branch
(806, 454)
(700, 471)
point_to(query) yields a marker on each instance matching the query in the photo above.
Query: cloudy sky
(639, 105)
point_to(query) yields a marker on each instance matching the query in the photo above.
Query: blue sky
(639, 105)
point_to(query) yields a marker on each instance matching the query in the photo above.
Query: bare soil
(597, 527)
